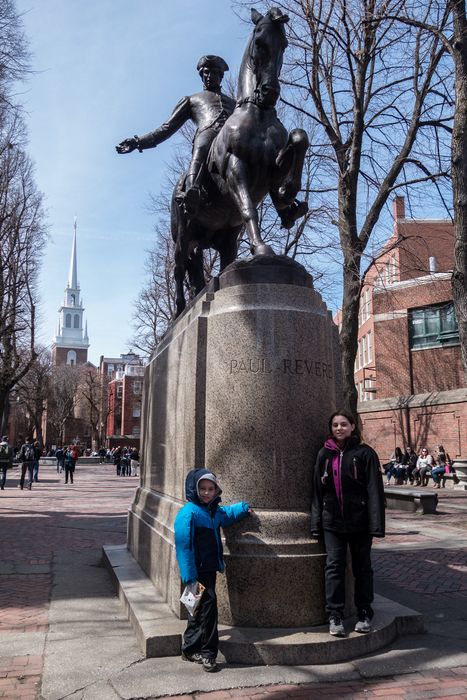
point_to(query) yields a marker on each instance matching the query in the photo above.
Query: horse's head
(266, 51)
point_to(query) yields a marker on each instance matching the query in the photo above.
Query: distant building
(121, 394)
(408, 369)
(70, 349)
(71, 342)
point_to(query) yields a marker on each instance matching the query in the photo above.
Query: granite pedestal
(242, 384)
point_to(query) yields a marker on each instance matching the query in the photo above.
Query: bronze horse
(252, 155)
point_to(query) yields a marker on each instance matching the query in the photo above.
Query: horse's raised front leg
(289, 165)
(237, 178)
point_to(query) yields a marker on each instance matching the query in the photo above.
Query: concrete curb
(159, 632)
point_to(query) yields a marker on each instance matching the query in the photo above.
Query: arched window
(68, 321)
(73, 302)
(71, 357)
(76, 321)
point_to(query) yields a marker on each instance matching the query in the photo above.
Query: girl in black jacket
(348, 509)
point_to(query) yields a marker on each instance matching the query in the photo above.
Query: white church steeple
(73, 274)
(72, 335)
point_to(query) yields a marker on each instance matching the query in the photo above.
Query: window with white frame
(394, 268)
(119, 391)
(370, 346)
(360, 352)
(137, 386)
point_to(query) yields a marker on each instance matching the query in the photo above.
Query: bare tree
(32, 391)
(89, 400)
(22, 236)
(446, 20)
(379, 93)
(62, 399)
(21, 219)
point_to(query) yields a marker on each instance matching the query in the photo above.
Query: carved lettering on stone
(292, 367)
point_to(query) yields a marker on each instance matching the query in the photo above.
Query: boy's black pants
(201, 632)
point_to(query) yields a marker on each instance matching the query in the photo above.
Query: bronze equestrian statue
(251, 156)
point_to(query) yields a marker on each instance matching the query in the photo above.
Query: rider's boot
(191, 201)
(293, 212)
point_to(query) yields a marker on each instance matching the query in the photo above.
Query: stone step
(159, 632)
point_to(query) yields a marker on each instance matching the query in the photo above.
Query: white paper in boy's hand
(192, 595)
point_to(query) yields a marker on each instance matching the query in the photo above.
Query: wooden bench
(413, 501)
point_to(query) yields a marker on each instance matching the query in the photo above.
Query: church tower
(71, 342)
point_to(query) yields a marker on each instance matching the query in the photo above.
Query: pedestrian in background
(60, 456)
(26, 456)
(424, 464)
(35, 466)
(410, 462)
(69, 464)
(6, 459)
(348, 511)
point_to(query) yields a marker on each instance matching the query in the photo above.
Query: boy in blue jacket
(199, 551)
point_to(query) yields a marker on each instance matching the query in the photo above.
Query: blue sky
(105, 70)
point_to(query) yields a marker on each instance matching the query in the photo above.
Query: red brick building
(408, 370)
(122, 394)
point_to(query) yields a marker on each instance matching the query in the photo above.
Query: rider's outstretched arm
(177, 119)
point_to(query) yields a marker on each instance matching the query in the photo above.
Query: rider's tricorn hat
(212, 62)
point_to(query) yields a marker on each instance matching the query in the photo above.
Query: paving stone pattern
(422, 561)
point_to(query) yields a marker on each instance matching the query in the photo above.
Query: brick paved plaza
(53, 587)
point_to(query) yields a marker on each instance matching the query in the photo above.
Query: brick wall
(59, 355)
(428, 424)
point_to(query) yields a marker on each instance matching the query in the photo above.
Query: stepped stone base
(159, 631)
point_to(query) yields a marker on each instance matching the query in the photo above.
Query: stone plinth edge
(265, 269)
(159, 632)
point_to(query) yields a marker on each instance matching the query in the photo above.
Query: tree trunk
(348, 335)
(348, 338)
(4, 412)
(459, 176)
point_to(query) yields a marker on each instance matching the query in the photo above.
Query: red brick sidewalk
(39, 524)
(36, 525)
(450, 685)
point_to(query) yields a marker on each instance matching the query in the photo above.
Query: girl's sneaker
(336, 626)
(363, 623)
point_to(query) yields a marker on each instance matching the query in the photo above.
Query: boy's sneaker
(209, 665)
(195, 658)
(363, 623)
(336, 626)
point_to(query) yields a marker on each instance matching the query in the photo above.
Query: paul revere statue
(209, 110)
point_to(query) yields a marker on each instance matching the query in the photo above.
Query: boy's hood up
(191, 482)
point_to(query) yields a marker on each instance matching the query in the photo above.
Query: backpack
(4, 452)
(28, 453)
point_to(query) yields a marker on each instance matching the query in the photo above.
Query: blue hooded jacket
(198, 541)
